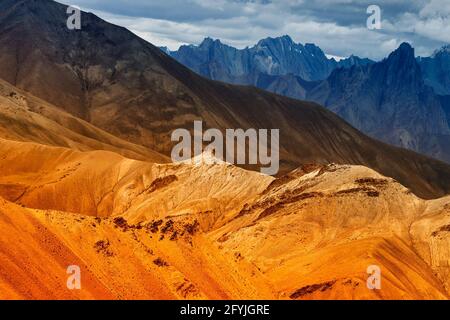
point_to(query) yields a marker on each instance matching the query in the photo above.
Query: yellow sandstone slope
(174, 231)
(315, 235)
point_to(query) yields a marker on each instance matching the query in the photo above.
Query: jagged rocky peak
(278, 56)
(208, 42)
(404, 52)
(166, 50)
(402, 64)
(436, 70)
(285, 41)
(353, 58)
(315, 50)
(287, 44)
(445, 50)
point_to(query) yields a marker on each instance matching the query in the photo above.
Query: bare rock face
(270, 56)
(436, 70)
(390, 101)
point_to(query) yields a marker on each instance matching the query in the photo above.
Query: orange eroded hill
(103, 183)
(116, 261)
(144, 230)
(315, 235)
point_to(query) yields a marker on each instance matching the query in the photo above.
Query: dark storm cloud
(348, 13)
(173, 10)
(338, 26)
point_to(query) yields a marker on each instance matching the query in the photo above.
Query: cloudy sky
(339, 27)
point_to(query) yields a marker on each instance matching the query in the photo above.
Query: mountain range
(400, 100)
(270, 56)
(391, 101)
(116, 81)
(86, 118)
(436, 70)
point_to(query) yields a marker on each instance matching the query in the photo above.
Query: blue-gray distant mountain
(401, 100)
(391, 101)
(271, 56)
(436, 70)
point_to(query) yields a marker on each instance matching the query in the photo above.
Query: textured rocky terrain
(270, 56)
(436, 70)
(141, 230)
(85, 123)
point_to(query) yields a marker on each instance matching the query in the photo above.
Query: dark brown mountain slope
(123, 84)
(24, 117)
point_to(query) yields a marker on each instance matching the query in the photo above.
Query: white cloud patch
(337, 26)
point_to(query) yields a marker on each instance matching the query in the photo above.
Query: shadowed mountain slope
(120, 83)
(24, 117)
(390, 100)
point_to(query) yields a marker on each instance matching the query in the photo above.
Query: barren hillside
(308, 235)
